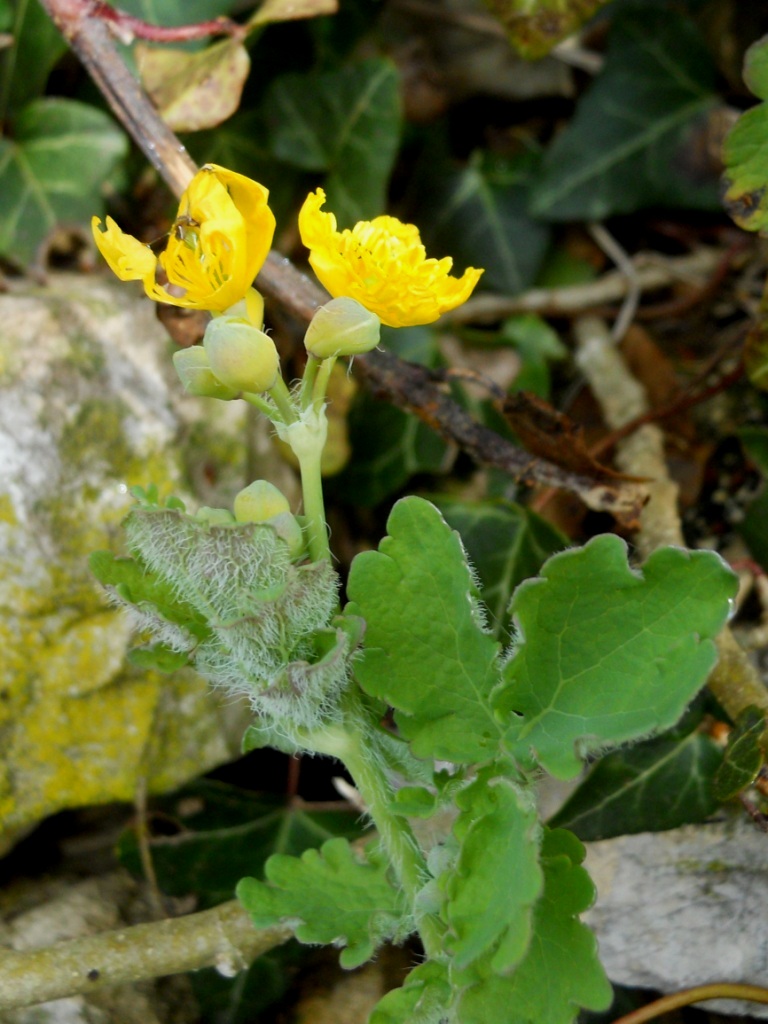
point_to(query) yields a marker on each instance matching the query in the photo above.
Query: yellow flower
(219, 241)
(383, 265)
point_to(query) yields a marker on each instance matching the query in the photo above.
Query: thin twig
(223, 937)
(652, 273)
(688, 996)
(621, 258)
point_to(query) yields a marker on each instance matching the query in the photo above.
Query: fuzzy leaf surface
(422, 999)
(496, 880)
(506, 543)
(561, 971)
(631, 142)
(660, 784)
(608, 654)
(426, 652)
(335, 897)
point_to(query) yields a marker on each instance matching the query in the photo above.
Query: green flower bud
(250, 308)
(215, 516)
(196, 374)
(259, 502)
(240, 355)
(342, 327)
(287, 527)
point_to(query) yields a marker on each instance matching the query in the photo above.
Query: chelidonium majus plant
(432, 715)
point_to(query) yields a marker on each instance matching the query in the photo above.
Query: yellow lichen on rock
(87, 413)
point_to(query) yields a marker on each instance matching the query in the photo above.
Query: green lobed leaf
(480, 216)
(660, 784)
(744, 754)
(345, 122)
(426, 653)
(506, 544)
(631, 140)
(756, 68)
(560, 972)
(608, 654)
(336, 897)
(52, 171)
(226, 833)
(491, 889)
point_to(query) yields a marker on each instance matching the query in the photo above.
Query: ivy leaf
(426, 652)
(630, 143)
(607, 654)
(743, 755)
(336, 897)
(480, 216)
(549, 984)
(25, 64)
(390, 446)
(491, 890)
(660, 784)
(745, 149)
(506, 544)
(52, 170)
(344, 122)
(226, 833)
(194, 90)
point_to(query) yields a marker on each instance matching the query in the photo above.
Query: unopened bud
(260, 501)
(250, 308)
(342, 327)
(196, 375)
(240, 355)
(286, 526)
(215, 516)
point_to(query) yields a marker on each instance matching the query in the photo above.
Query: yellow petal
(127, 257)
(383, 265)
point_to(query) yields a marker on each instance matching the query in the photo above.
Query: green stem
(314, 507)
(321, 384)
(282, 399)
(308, 381)
(699, 994)
(351, 746)
(260, 403)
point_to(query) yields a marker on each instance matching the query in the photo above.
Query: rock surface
(89, 407)
(685, 907)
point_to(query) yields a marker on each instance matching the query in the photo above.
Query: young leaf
(743, 756)
(491, 890)
(345, 122)
(662, 783)
(607, 654)
(630, 143)
(549, 984)
(426, 654)
(336, 897)
(52, 170)
(423, 998)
